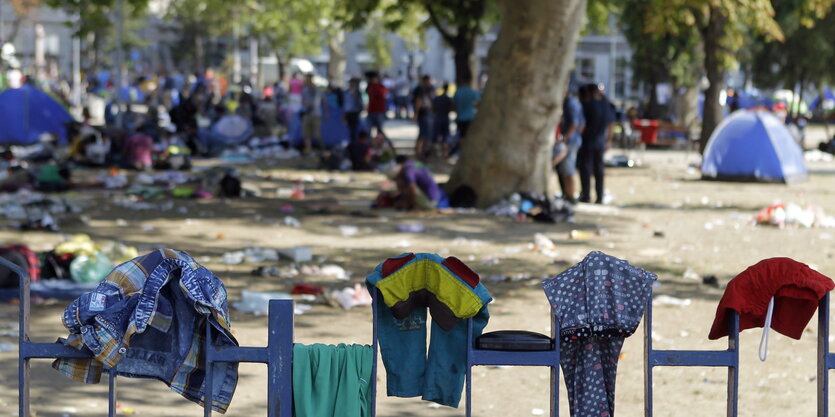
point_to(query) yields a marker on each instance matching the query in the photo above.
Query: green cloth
(332, 381)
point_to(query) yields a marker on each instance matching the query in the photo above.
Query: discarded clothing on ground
(598, 302)
(149, 317)
(408, 284)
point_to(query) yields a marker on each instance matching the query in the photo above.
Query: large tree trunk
(687, 112)
(508, 147)
(715, 76)
(465, 58)
(199, 53)
(336, 65)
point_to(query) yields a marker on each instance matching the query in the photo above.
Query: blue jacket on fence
(408, 284)
(147, 319)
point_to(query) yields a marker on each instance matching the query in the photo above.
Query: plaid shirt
(135, 301)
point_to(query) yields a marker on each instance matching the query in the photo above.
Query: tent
(26, 113)
(826, 99)
(753, 146)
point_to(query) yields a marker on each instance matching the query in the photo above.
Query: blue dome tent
(26, 113)
(753, 146)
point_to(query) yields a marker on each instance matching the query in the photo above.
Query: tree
(508, 148)
(459, 22)
(659, 57)
(722, 25)
(200, 21)
(806, 55)
(22, 9)
(95, 22)
(290, 29)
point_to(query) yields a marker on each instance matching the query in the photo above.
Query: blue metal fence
(277, 355)
(722, 358)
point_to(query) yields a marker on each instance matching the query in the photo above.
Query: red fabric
(376, 98)
(32, 260)
(796, 289)
(312, 289)
(393, 264)
(462, 270)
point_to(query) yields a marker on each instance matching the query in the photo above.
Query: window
(620, 77)
(585, 69)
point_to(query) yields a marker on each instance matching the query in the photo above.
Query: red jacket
(376, 98)
(796, 289)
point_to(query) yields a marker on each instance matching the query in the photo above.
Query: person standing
(422, 99)
(571, 130)
(441, 106)
(596, 140)
(377, 94)
(465, 101)
(294, 87)
(353, 107)
(312, 117)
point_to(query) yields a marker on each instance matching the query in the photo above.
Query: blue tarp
(26, 113)
(753, 146)
(334, 130)
(826, 96)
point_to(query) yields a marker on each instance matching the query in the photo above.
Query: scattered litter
(658, 233)
(816, 155)
(258, 303)
(310, 289)
(711, 281)
(416, 227)
(350, 297)
(401, 244)
(543, 245)
(348, 231)
(539, 411)
(298, 253)
(662, 300)
(512, 249)
(334, 271)
(251, 255)
(782, 215)
(490, 260)
(620, 161)
(292, 221)
(581, 234)
(535, 206)
(691, 274)
(461, 241)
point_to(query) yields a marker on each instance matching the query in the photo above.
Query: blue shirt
(465, 100)
(573, 116)
(353, 101)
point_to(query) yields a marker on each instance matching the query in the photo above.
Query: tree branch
(448, 37)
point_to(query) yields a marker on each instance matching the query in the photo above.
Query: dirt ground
(663, 218)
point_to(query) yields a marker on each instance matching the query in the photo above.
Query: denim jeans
(410, 373)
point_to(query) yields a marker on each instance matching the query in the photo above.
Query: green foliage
(660, 56)
(95, 15)
(734, 18)
(808, 51)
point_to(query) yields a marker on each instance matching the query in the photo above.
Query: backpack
(230, 186)
(23, 257)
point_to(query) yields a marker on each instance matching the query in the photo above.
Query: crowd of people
(161, 122)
